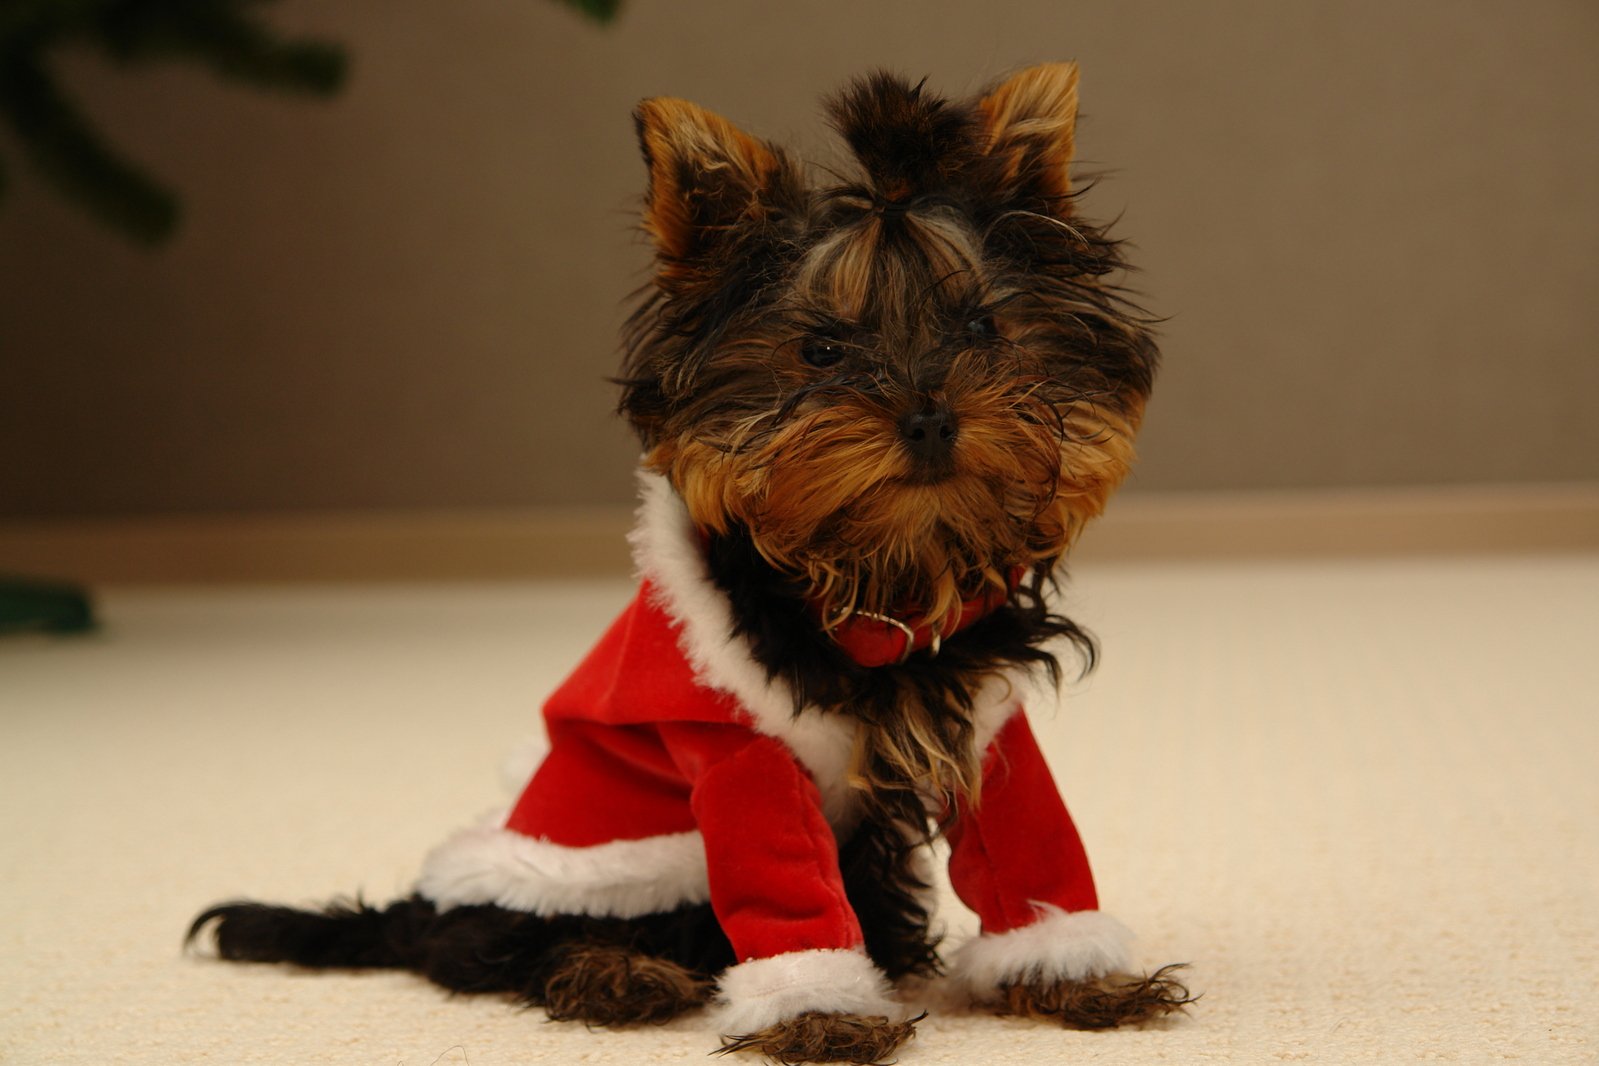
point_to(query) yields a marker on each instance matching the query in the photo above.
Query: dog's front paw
(819, 1036)
(1097, 1002)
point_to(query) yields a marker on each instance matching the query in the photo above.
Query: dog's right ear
(1031, 124)
(708, 179)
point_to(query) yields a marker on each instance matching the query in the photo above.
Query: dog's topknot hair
(910, 141)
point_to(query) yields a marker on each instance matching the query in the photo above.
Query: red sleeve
(771, 856)
(1018, 846)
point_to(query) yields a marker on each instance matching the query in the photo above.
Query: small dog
(875, 416)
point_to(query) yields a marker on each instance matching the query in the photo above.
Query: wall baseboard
(1450, 520)
(568, 542)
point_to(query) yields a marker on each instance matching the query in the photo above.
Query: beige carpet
(1361, 798)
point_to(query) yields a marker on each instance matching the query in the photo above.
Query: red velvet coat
(640, 748)
(678, 773)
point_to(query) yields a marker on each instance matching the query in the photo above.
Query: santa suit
(678, 773)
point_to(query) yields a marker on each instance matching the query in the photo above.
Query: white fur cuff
(621, 879)
(763, 992)
(1059, 946)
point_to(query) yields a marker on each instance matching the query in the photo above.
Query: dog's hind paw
(614, 986)
(819, 1036)
(1100, 1002)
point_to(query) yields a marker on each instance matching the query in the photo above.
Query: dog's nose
(929, 432)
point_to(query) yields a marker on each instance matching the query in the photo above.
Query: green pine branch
(219, 35)
(60, 140)
(64, 149)
(601, 11)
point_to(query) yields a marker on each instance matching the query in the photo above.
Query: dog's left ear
(708, 178)
(1030, 122)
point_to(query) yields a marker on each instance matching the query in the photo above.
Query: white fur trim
(763, 992)
(667, 552)
(1059, 946)
(620, 879)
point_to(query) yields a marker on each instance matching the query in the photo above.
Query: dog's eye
(982, 326)
(822, 352)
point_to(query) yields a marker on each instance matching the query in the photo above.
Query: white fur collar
(666, 551)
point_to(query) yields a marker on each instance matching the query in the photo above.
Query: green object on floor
(51, 606)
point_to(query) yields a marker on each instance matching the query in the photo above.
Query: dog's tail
(469, 948)
(345, 934)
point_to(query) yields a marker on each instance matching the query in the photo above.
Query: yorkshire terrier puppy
(875, 415)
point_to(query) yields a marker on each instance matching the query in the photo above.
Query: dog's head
(906, 385)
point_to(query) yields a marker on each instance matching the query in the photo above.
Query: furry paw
(1100, 1002)
(816, 1036)
(607, 985)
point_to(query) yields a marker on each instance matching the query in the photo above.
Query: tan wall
(1373, 224)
